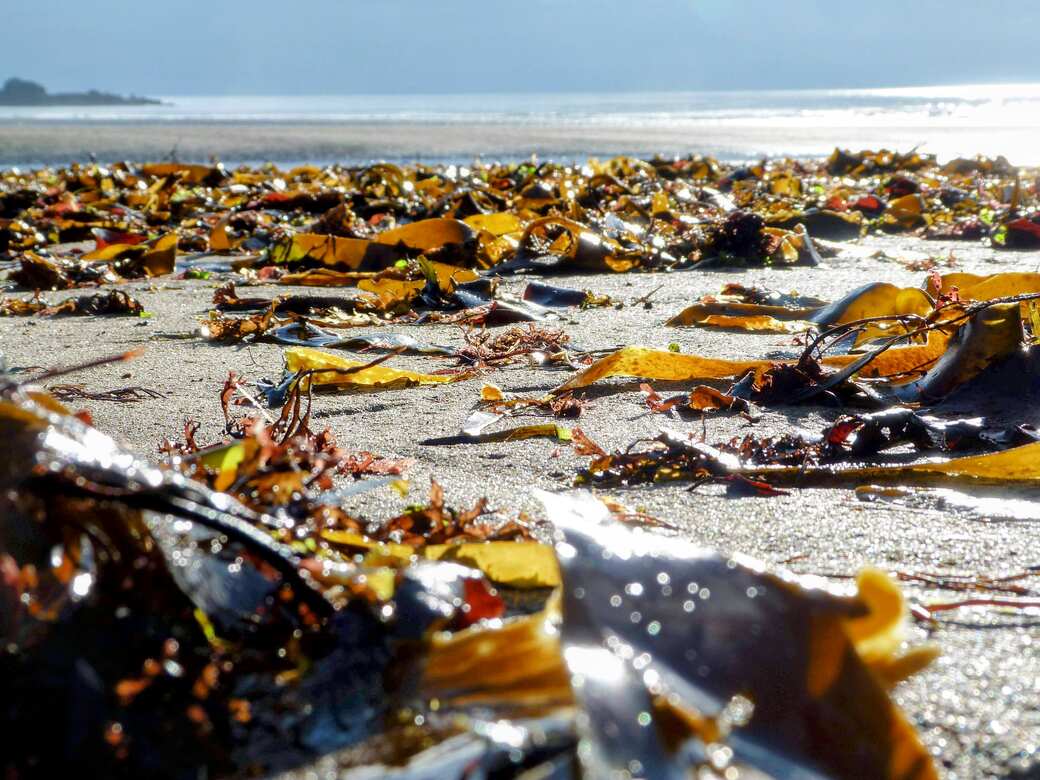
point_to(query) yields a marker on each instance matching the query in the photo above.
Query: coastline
(35, 142)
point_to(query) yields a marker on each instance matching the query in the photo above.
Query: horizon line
(521, 92)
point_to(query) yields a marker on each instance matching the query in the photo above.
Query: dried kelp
(112, 302)
(616, 215)
(818, 462)
(124, 395)
(483, 350)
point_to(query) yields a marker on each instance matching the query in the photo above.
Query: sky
(277, 47)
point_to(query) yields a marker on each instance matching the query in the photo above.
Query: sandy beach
(974, 708)
(542, 391)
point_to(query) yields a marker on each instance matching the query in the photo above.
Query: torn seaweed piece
(305, 334)
(110, 303)
(537, 431)
(226, 298)
(38, 272)
(870, 434)
(702, 398)
(562, 297)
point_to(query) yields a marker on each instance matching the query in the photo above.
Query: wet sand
(59, 142)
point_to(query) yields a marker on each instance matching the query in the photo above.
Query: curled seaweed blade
(990, 336)
(876, 299)
(447, 236)
(559, 245)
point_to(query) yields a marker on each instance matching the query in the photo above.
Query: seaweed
(109, 303)
(238, 632)
(226, 612)
(614, 216)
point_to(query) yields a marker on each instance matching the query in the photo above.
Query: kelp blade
(350, 373)
(675, 651)
(646, 363)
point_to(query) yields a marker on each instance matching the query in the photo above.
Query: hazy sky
(353, 46)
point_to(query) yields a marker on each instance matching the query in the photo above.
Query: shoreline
(33, 143)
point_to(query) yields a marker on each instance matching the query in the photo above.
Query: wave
(963, 106)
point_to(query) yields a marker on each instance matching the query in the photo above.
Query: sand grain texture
(976, 708)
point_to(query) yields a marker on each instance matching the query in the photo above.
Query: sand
(975, 707)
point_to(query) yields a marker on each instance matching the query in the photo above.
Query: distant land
(19, 92)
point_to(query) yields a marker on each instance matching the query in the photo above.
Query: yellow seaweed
(645, 363)
(378, 377)
(516, 564)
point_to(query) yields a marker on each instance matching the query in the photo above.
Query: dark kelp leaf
(113, 302)
(305, 334)
(677, 653)
(990, 336)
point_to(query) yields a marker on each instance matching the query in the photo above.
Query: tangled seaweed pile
(326, 224)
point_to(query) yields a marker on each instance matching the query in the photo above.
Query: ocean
(948, 121)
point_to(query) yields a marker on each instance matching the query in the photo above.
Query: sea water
(948, 121)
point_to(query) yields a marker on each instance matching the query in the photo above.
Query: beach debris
(538, 345)
(702, 398)
(226, 613)
(107, 303)
(265, 634)
(473, 433)
(962, 341)
(303, 333)
(493, 400)
(123, 395)
(41, 272)
(734, 309)
(140, 258)
(335, 225)
(563, 297)
(792, 460)
(638, 623)
(308, 368)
